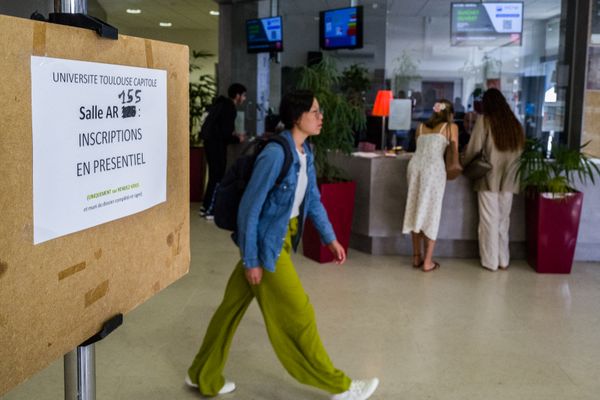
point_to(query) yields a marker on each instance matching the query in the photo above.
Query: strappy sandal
(436, 265)
(420, 264)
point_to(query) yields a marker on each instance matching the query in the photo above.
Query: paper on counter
(365, 154)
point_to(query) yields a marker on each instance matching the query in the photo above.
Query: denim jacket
(265, 208)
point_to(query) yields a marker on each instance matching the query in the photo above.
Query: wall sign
(486, 24)
(99, 143)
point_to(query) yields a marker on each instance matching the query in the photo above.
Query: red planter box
(552, 228)
(197, 173)
(338, 199)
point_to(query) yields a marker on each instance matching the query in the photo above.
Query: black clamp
(81, 21)
(107, 328)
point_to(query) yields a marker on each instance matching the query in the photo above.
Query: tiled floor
(458, 333)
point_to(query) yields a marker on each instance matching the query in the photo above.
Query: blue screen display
(264, 35)
(341, 28)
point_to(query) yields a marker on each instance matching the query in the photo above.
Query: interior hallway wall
(235, 64)
(300, 36)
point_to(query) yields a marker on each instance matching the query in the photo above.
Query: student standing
(427, 182)
(270, 222)
(217, 137)
(500, 135)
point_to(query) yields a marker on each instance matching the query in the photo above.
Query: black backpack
(229, 192)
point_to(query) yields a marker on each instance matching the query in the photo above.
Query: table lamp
(381, 108)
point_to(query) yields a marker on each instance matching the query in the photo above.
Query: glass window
(457, 50)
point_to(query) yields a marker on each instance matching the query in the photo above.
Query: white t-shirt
(301, 186)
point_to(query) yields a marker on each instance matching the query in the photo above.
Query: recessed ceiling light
(134, 11)
(165, 24)
(213, 12)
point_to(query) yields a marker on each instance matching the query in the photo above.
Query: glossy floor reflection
(458, 333)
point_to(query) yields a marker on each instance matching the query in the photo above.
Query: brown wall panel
(55, 295)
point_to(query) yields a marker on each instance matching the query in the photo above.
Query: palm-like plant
(556, 175)
(341, 117)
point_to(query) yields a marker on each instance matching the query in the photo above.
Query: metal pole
(71, 6)
(275, 12)
(80, 373)
(383, 141)
(274, 7)
(80, 364)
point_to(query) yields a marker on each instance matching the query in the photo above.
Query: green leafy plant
(341, 117)
(556, 175)
(354, 82)
(202, 93)
(405, 71)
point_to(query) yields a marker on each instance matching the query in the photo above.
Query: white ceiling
(194, 14)
(183, 14)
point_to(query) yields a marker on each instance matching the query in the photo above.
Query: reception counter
(381, 188)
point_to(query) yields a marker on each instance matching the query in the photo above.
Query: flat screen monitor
(486, 24)
(264, 35)
(341, 28)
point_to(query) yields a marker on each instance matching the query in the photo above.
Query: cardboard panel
(55, 295)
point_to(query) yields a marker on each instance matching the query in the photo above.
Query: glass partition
(457, 50)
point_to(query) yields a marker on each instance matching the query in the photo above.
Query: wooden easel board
(57, 294)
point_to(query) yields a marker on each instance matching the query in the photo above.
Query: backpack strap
(288, 158)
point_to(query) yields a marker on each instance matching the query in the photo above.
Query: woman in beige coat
(501, 136)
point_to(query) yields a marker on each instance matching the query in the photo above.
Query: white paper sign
(400, 114)
(99, 143)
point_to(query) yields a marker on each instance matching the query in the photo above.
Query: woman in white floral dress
(426, 183)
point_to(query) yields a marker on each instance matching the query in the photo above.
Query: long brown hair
(441, 116)
(506, 129)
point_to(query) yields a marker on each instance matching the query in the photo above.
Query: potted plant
(201, 92)
(552, 204)
(341, 118)
(405, 71)
(354, 83)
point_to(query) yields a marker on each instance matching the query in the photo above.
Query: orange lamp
(381, 108)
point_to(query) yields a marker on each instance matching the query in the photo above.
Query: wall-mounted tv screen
(486, 24)
(341, 28)
(264, 35)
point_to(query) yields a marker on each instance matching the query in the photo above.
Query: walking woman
(500, 135)
(427, 182)
(270, 224)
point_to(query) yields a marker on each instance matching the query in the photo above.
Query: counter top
(381, 188)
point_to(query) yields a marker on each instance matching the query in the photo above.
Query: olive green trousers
(290, 321)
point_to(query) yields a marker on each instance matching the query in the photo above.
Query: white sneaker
(359, 390)
(228, 387)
